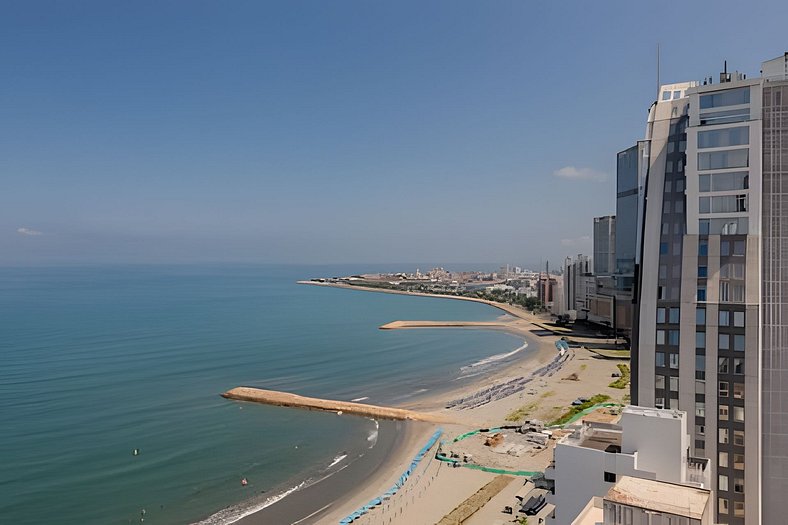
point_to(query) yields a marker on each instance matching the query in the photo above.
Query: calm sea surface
(97, 362)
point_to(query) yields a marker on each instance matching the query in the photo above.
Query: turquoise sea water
(97, 362)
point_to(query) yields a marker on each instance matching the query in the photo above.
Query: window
(680, 183)
(729, 116)
(700, 363)
(731, 270)
(738, 248)
(659, 382)
(723, 460)
(728, 97)
(738, 319)
(700, 316)
(660, 316)
(738, 366)
(700, 409)
(724, 318)
(722, 365)
(666, 95)
(700, 339)
(663, 271)
(700, 444)
(660, 337)
(663, 248)
(659, 402)
(738, 461)
(674, 361)
(674, 315)
(704, 205)
(724, 342)
(720, 138)
(701, 292)
(723, 204)
(660, 358)
(722, 506)
(738, 485)
(737, 293)
(738, 414)
(725, 291)
(703, 271)
(704, 183)
(610, 477)
(733, 180)
(738, 343)
(676, 94)
(723, 439)
(722, 485)
(738, 438)
(738, 390)
(700, 387)
(725, 248)
(674, 384)
(722, 413)
(716, 160)
(723, 389)
(738, 508)
(703, 248)
(673, 337)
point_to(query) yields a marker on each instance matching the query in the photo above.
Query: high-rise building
(578, 285)
(604, 245)
(711, 293)
(629, 182)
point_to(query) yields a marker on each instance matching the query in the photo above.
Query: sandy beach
(434, 490)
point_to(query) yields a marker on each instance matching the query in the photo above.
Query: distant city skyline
(334, 133)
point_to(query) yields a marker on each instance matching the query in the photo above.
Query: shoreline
(540, 353)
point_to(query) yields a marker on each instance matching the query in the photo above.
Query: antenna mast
(657, 71)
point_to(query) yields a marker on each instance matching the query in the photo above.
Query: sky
(336, 132)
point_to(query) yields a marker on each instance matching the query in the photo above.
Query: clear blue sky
(331, 131)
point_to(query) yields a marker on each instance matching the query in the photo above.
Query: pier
(286, 399)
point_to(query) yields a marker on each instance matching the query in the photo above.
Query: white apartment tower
(711, 293)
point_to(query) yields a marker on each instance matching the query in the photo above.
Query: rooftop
(664, 413)
(668, 498)
(597, 436)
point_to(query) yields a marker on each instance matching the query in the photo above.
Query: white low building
(646, 443)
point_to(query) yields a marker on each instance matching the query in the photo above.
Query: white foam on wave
(337, 460)
(236, 513)
(359, 399)
(372, 437)
(493, 358)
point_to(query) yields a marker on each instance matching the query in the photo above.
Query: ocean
(97, 362)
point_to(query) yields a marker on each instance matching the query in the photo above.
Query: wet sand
(311, 504)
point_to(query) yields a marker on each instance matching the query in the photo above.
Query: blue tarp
(398, 485)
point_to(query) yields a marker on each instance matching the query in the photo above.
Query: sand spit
(286, 399)
(394, 325)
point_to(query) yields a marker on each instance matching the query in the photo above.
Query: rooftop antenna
(657, 71)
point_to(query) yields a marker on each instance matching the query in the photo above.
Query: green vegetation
(499, 296)
(583, 367)
(611, 353)
(622, 381)
(523, 520)
(573, 411)
(521, 413)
